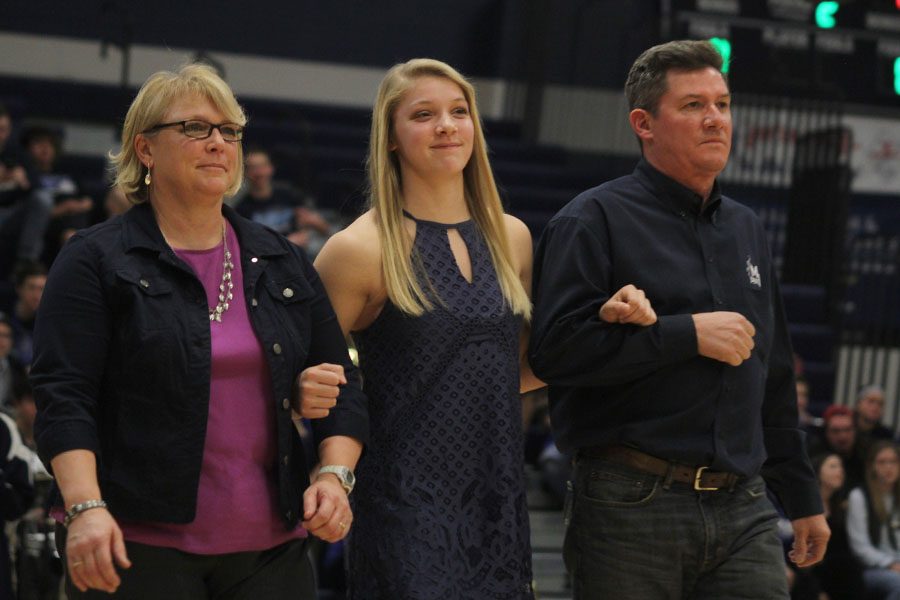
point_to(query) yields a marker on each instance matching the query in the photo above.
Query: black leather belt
(702, 479)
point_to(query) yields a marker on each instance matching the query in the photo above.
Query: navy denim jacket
(122, 361)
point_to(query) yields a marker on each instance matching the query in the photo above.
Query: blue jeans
(630, 538)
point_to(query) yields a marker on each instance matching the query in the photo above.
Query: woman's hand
(319, 389)
(326, 509)
(93, 541)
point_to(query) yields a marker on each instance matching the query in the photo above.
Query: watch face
(344, 475)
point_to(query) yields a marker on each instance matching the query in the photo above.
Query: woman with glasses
(873, 521)
(171, 344)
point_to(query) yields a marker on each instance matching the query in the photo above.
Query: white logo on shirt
(753, 274)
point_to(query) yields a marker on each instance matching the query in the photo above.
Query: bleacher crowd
(43, 202)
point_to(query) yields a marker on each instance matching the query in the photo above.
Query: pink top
(237, 506)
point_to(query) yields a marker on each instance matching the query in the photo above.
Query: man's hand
(724, 336)
(319, 389)
(93, 542)
(326, 509)
(628, 305)
(810, 540)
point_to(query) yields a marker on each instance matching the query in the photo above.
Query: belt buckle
(697, 485)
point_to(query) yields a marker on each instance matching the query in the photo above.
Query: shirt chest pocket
(146, 300)
(147, 327)
(291, 300)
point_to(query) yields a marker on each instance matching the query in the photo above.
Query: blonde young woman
(168, 348)
(431, 282)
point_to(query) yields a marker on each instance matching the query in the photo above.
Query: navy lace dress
(439, 507)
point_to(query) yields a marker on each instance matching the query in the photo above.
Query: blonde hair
(153, 100)
(482, 198)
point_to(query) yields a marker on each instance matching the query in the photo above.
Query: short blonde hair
(153, 100)
(482, 198)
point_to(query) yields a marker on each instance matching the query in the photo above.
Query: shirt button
(289, 514)
(145, 283)
(286, 404)
(287, 293)
(254, 302)
(276, 348)
(711, 259)
(254, 260)
(719, 301)
(285, 460)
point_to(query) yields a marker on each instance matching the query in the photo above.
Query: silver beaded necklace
(226, 286)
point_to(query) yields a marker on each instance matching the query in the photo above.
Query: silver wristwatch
(344, 475)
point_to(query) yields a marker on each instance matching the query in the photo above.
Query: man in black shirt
(673, 415)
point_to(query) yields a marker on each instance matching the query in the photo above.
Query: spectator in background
(29, 280)
(11, 370)
(279, 206)
(16, 492)
(839, 437)
(869, 411)
(23, 215)
(873, 521)
(838, 575)
(12, 174)
(808, 421)
(116, 202)
(70, 210)
(38, 567)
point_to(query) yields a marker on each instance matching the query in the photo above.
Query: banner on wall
(876, 155)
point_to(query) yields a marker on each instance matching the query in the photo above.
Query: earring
(147, 178)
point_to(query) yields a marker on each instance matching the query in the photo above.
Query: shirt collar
(141, 231)
(681, 198)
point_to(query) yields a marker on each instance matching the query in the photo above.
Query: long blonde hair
(482, 198)
(153, 100)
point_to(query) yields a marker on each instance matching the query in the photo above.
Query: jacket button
(285, 460)
(145, 283)
(276, 348)
(289, 514)
(287, 293)
(254, 302)
(286, 404)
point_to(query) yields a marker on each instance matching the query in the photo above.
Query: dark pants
(280, 573)
(630, 538)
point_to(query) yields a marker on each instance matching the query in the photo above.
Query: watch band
(344, 475)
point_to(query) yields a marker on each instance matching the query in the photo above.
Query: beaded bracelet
(81, 507)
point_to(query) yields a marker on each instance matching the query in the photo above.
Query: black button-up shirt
(123, 357)
(648, 387)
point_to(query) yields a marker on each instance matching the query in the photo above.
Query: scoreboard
(846, 50)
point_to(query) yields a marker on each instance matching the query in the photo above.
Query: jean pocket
(754, 489)
(568, 503)
(606, 488)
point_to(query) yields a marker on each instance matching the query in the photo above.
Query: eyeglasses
(200, 130)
